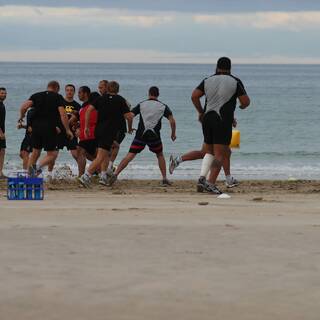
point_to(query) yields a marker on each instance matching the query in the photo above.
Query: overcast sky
(161, 31)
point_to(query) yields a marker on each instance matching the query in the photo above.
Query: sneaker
(34, 171)
(85, 180)
(103, 180)
(112, 179)
(166, 183)
(232, 182)
(109, 172)
(202, 184)
(211, 188)
(173, 164)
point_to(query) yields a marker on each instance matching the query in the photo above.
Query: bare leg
(35, 155)
(226, 163)
(81, 161)
(162, 165)
(102, 157)
(2, 154)
(193, 155)
(24, 155)
(115, 151)
(124, 162)
(49, 158)
(220, 152)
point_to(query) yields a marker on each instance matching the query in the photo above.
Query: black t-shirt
(2, 117)
(71, 107)
(111, 109)
(46, 106)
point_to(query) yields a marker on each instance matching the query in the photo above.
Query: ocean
(279, 131)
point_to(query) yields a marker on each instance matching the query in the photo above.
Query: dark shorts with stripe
(139, 144)
(26, 144)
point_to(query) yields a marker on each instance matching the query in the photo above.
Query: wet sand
(141, 251)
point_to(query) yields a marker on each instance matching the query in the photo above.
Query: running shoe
(85, 180)
(103, 180)
(173, 164)
(34, 171)
(112, 179)
(202, 184)
(109, 172)
(211, 188)
(166, 183)
(232, 182)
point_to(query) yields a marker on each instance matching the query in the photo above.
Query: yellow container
(235, 141)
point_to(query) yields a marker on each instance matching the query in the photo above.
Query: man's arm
(87, 121)
(65, 122)
(24, 108)
(173, 126)
(129, 117)
(196, 96)
(244, 101)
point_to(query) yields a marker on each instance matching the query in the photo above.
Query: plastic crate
(23, 187)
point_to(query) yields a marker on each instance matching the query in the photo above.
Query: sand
(141, 251)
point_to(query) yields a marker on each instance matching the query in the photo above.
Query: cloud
(142, 56)
(294, 21)
(81, 16)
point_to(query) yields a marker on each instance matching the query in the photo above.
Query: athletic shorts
(105, 138)
(139, 144)
(63, 141)
(120, 137)
(26, 144)
(3, 144)
(44, 138)
(90, 146)
(215, 130)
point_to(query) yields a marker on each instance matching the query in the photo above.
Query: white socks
(206, 164)
(110, 165)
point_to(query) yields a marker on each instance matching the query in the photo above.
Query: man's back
(46, 106)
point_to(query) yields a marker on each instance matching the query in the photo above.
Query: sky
(166, 31)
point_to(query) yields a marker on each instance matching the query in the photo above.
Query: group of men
(95, 130)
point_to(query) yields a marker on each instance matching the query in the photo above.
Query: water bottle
(29, 191)
(37, 192)
(12, 190)
(21, 189)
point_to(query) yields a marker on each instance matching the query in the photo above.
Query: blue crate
(23, 187)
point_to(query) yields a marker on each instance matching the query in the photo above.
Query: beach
(141, 251)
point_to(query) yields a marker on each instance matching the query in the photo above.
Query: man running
(111, 108)
(72, 109)
(3, 96)
(87, 144)
(26, 147)
(199, 154)
(221, 91)
(151, 113)
(48, 112)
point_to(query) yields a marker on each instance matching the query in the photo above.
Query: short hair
(3, 89)
(70, 85)
(113, 87)
(94, 96)
(224, 63)
(54, 85)
(154, 91)
(85, 89)
(105, 82)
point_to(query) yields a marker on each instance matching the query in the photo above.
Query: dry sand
(140, 251)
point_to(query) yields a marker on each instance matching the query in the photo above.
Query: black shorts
(120, 137)
(215, 130)
(90, 146)
(44, 138)
(105, 138)
(63, 141)
(3, 144)
(139, 144)
(26, 144)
